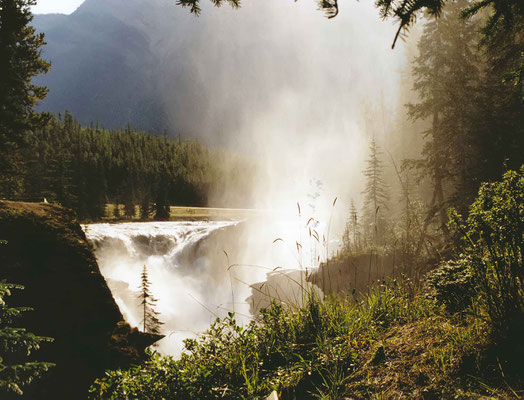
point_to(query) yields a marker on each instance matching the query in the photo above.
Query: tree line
(84, 168)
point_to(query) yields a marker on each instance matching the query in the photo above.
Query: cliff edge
(47, 252)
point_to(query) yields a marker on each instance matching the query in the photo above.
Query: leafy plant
(492, 241)
(302, 352)
(451, 284)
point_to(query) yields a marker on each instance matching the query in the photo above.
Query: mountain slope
(228, 76)
(102, 69)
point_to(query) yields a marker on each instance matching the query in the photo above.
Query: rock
(47, 252)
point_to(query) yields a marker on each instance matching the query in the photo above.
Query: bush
(492, 244)
(451, 285)
(301, 352)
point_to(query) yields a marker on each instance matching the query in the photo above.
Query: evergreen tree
(447, 79)
(84, 168)
(19, 62)
(145, 209)
(150, 322)
(16, 344)
(375, 197)
(351, 237)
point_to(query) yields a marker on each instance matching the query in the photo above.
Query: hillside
(103, 68)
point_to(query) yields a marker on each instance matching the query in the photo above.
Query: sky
(56, 6)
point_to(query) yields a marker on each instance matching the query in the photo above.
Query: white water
(189, 284)
(188, 265)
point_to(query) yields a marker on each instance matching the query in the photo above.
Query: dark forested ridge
(86, 167)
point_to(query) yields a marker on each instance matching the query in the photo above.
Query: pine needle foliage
(19, 62)
(504, 15)
(375, 196)
(150, 321)
(351, 236)
(16, 344)
(84, 168)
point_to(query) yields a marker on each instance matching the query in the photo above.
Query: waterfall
(187, 269)
(201, 270)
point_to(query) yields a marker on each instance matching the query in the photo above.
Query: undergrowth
(320, 350)
(459, 338)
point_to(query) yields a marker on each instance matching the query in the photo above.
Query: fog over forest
(274, 80)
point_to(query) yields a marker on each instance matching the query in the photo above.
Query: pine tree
(145, 208)
(447, 81)
(16, 344)
(150, 322)
(19, 62)
(375, 197)
(351, 237)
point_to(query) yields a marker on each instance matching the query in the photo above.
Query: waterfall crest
(186, 269)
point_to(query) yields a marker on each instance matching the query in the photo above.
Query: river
(199, 270)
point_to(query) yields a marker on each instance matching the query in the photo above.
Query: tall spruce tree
(351, 236)
(150, 322)
(447, 80)
(375, 197)
(20, 61)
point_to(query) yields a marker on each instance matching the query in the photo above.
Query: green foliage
(503, 12)
(375, 197)
(492, 241)
(351, 239)
(16, 344)
(474, 118)
(331, 348)
(150, 322)
(294, 351)
(451, 284)
(85, 168)
(504, 15)
(447, 80)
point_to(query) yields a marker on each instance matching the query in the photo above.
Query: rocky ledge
(47, 252)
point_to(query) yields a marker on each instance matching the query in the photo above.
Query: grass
(394, 343)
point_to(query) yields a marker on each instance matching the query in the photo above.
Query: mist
(291, 91)
(273, 80)
(276, 82)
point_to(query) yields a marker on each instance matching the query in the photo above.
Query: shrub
(299, 351)
(451, 285)
(492, 242)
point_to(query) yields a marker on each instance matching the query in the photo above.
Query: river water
(199, 270)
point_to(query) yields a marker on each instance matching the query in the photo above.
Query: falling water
(188, 278)
(201, 270)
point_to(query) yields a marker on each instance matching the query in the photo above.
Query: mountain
(104, 67)
(270, 68)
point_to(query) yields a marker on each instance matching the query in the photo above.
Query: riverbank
(394, 344)
(456, 335)
(183, 213)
